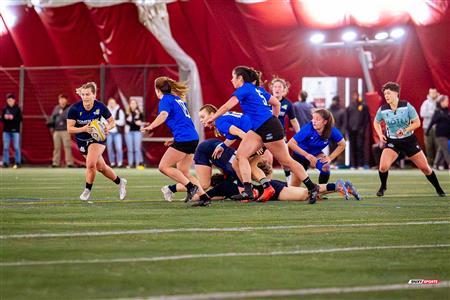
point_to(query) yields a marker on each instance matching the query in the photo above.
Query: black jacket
(11, 118)
(441, 118)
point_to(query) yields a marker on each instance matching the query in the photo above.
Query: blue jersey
(395, 120)
(82, 117)
(309, 139)
(285, 110)
(224, 122)
(254, 103)
(178, 120)
(204, 152)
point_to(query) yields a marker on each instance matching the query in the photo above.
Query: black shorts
(301, 160)
(186, 147)
(409, 145)
(278, 186)
(83, 145)
(271, 130)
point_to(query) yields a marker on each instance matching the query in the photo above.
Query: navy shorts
(278, 186)
(83, 145)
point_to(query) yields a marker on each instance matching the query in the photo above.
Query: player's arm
(72, 129)
(340, 147)
(377, 127)
(223, 109)
(237, 131)
(161, 118)
(293, 145)
(276, 105)
(111, 123)
(295, 125)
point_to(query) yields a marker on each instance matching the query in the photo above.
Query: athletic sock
(434, 181)
(309, 184)
(89, 186)
(331, 187)
(117, 180)
(248, 188)
(287, 172)
(173, 188)
(204, 197)
(265, 183)
(324, 177)
(189, 186)
(383, 178)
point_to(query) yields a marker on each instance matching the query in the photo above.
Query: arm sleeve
(241, 92)
(224, 128)
(379, 116)
(290, 111)
(106, 113)
(19, 115)
(265, 94)
(73, 114)
(303, 134)
(336, 135)
(412, 112)
(164, 105)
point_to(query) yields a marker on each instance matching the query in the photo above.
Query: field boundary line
(210, 229)
(299, 292)
(214, 255)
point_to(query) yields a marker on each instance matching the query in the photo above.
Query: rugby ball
(98, 130)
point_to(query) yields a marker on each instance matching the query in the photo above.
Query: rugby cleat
(243, 197)
(351, 190)
(381, 191)
(267, 194)
(191, 193)
(85, 195)
(341, 189)
(122, 188)
(167, 193)
(313, 194)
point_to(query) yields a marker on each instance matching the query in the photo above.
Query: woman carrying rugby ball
(83, 120)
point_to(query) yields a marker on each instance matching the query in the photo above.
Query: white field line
(300, 292)
(212, 255)
(213, 229)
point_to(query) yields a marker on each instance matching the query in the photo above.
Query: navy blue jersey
(285, 110)
(204, 152)
(309, 139)
(224, 122)
(82, 117)
(179, 120)
(254, 103)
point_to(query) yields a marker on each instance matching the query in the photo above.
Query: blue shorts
(278, 186)
(83, 145)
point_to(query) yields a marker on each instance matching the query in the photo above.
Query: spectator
(133, 135)
(11, 118)
(426, 112)
(303, 110)
(340, 123)
(358, 118)
(114, 139)
(441, 118)
(58, 124)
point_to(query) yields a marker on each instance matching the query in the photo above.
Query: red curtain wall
(272, 36)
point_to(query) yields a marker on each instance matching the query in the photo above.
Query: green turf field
(55, 247)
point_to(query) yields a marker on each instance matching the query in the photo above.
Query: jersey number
(182, 104)
(262, 97)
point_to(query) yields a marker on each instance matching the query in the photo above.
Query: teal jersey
(395, 120)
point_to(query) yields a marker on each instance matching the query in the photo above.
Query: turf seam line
(215, 255)
(211, 229)
(298, 292)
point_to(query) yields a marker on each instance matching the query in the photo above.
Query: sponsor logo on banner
(423, 281)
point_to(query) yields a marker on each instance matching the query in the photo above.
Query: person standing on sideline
(133, 135)
(401, 120)
(303, 110)
(427, 110)
(441, 118)
(280, 88)
(358, 118)
(340, 122)
(80, 116)
(114, 139)
(58, 121)
(11, 118)
(173, 111)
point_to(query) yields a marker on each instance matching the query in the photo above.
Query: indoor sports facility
(224, 149)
